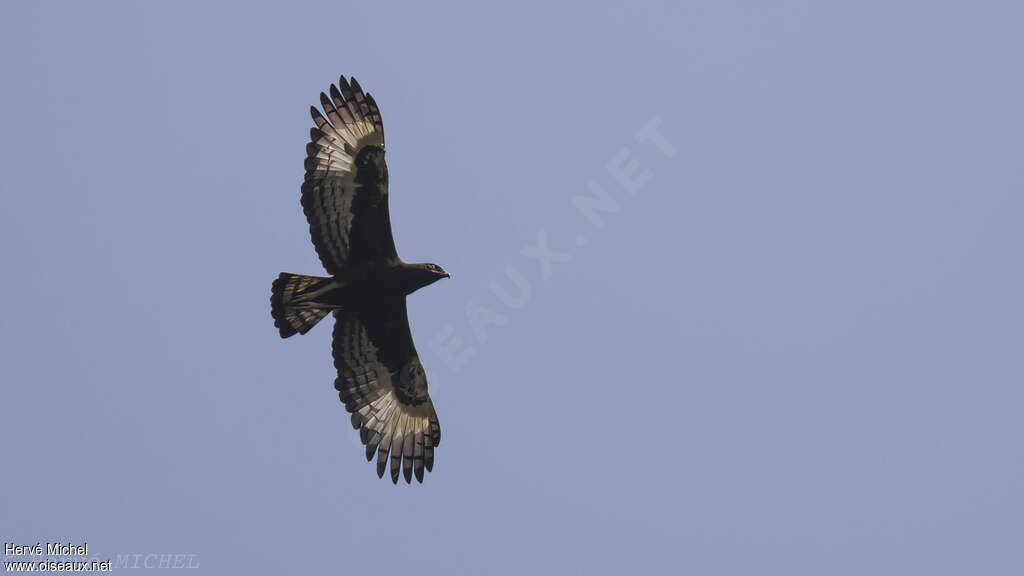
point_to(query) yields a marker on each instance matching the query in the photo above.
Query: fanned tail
(293, 303)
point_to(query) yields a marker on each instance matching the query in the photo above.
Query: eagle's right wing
(382, 383)
(348, 221)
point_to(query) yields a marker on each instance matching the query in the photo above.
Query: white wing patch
(350, 121)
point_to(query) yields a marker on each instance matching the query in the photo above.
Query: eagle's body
(385, 281)
(345, 199)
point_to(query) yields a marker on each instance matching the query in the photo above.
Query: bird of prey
(345, 198)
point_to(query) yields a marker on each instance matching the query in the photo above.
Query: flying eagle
(345, 198)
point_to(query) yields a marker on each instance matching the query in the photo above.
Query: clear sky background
(793, 346)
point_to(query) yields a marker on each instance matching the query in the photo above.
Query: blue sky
(792, 345)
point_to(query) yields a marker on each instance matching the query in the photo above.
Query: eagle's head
(435, 271)
(424, 275)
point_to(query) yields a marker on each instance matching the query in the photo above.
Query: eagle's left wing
(347, 209)
(382, 383)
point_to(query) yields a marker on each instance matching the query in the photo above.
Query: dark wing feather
(382, 383)
(346, 206)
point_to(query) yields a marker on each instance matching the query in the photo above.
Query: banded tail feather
(293, 302)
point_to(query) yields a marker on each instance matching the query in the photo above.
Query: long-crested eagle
(345, 198)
